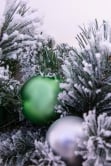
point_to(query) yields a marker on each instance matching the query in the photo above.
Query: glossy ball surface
(63, 137)
(39, 96)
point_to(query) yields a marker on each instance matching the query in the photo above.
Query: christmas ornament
(39, 96)
(63, 136)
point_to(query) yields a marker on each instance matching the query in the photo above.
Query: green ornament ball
(39, 96)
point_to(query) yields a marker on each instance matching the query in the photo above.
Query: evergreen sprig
(22, 148)
(87, 74)
(96, 150)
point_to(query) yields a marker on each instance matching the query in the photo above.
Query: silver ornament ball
(63, 136)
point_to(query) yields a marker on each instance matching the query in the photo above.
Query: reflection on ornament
(39, 96)
(63, 136)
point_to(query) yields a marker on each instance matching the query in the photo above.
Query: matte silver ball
(63, 136)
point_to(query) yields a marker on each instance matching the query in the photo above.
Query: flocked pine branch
(19, 36)
(24, 48)
(14, 38)
(26, 147)
(17, 29)
(96, 150)
(87, 74)
(95, 35)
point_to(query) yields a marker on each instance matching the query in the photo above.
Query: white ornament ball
(63, 136)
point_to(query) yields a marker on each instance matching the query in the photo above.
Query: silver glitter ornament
(63, 137)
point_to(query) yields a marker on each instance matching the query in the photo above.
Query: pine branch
(17, 29)
(96, 150)
(87, 74)
(20, 147)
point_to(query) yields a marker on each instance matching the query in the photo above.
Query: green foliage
(9, 101)
(48, 62)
